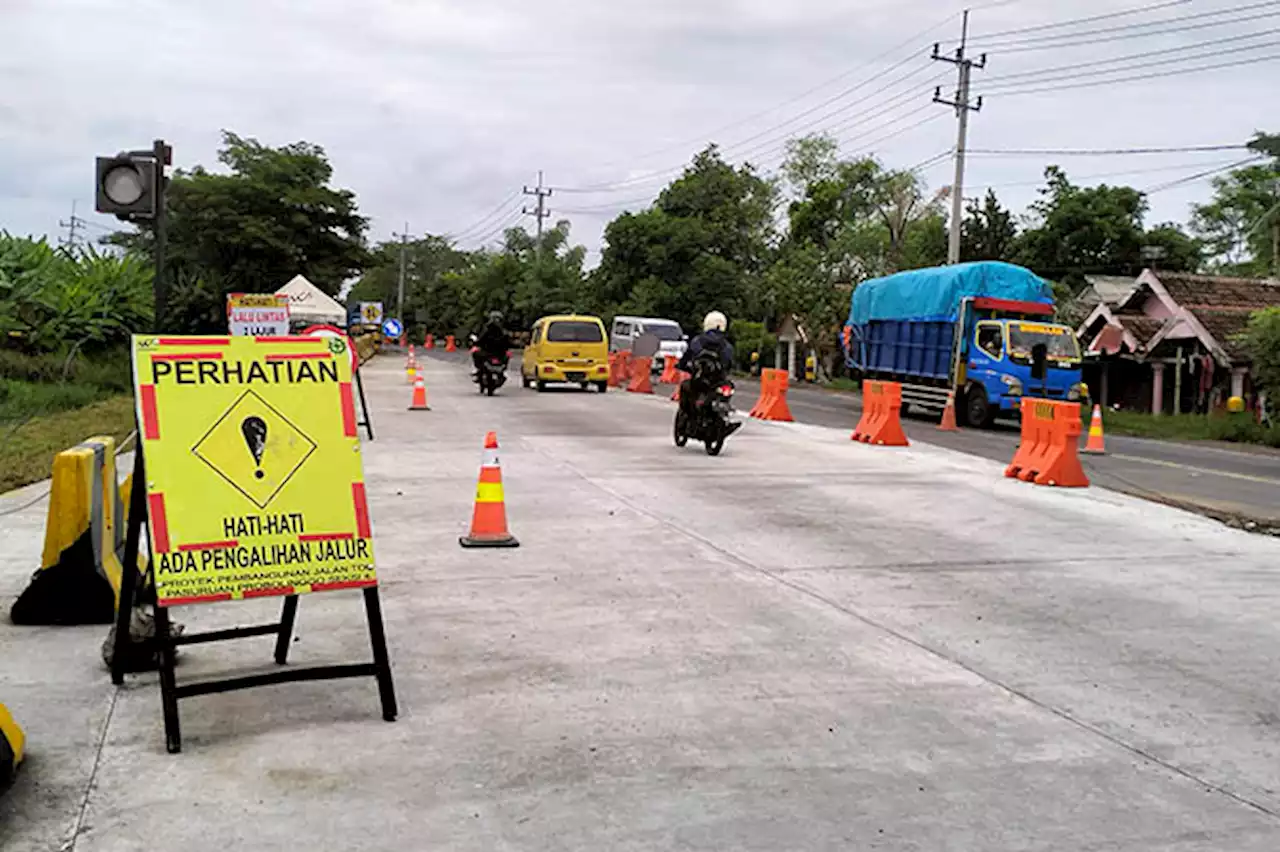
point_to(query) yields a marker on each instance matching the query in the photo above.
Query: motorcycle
(492, 373)
(710, 422)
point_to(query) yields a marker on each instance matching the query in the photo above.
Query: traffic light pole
(162, 153)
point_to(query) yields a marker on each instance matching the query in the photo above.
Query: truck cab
(1010, 350)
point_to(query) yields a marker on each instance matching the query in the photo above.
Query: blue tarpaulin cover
(935, 294)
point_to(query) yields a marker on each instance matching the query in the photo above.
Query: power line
(936, 158)
(1175, 73)
(878, 110)
(488, 217)
(837, 97)
(512, 218)
(1171, 61)
(1102, 152)
(1000, 45)
(1200, 175)
(910, 40)
(1090, 42)
(1090, 19)
(1101, 175)
(1180, 49)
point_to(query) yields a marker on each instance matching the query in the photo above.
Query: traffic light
(126, 186)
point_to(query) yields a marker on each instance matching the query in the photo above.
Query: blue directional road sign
(392, 328)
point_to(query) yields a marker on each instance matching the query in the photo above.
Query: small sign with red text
(258, 314)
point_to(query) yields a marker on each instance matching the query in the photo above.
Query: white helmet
(715, 320)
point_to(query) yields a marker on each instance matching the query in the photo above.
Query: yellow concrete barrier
(12, 743)
(79, 577)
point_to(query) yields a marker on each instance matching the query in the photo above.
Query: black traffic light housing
(130, 185)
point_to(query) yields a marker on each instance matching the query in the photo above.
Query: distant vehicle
(983, 330)
(671, 339)
(566, 349)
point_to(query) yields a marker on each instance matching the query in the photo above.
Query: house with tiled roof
(1169, 345)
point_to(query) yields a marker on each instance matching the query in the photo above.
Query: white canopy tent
(309, 304)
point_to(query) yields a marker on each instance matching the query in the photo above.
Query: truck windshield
(1059, 341)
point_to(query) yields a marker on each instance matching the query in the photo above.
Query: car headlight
(1078, 391)
(1013, 383)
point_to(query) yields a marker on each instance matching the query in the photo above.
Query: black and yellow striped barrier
(12, 743)
(79, 577)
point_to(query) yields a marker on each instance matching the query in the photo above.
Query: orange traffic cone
(948, 423)
(419, 401)
(411, 372)
(1095, 443)
(489, 522)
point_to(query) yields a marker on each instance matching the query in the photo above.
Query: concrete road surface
(804, 644)
(1223, 481)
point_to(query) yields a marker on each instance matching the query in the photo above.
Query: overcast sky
(436, 111)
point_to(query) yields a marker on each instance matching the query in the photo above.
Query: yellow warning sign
(254, 482)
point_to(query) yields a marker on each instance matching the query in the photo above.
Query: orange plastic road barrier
(948, 423)
(1047, 453)
(489, 521)
(772, 404)
(640, 369)
(766, 387)
(419, 401)
(429, 342)
(681, 378)
(618, 362)
(450, 345)
(1096, 444)
(881, 421)
(668, 369)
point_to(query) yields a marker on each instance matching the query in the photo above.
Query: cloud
(434, 111)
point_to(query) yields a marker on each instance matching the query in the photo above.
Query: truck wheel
(977, 410)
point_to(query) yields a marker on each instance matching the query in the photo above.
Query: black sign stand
(166, 643)
(364, 409)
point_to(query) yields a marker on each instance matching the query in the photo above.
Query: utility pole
(540, 212)
(404, 236)
(72, 226)
(963, 107)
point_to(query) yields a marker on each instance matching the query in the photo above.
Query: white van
(671, 340)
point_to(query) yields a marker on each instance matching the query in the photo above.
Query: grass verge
(1240, 429)
(26, 453)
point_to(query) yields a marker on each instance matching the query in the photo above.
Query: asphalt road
(1217, 479)
(803, 644)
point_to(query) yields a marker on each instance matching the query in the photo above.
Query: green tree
(704, 244)
(1077, 230)
(1240, 226)
(1262, 342)
(988, 230)
(272, 216)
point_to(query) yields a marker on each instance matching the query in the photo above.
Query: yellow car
(569, 349)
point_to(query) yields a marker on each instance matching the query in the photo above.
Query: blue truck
(981, 330)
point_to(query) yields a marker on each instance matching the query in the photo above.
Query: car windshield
(574, 331)
(1060, 341)
(664, 332)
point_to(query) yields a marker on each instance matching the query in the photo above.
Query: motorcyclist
(491, 340)
(710, 342)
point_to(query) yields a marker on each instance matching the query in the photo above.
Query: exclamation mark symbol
(254, 430)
